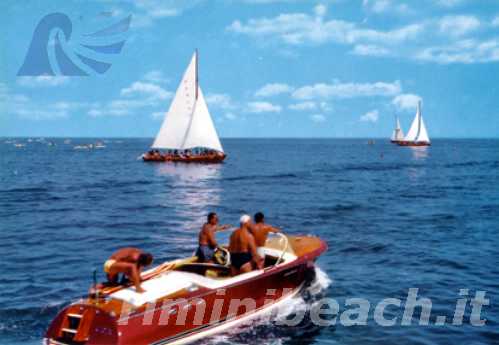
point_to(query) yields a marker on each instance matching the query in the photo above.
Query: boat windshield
(280, 242)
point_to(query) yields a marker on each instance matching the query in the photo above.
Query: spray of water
(267, 328)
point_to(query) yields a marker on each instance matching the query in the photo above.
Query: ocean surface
(394, 218)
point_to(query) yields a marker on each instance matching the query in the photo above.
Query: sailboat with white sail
(398, 134)
(187, 133)
(417, 135)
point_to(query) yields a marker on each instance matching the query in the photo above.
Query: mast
(197, 80)
(419, 121)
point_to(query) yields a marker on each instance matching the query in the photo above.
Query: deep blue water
(394, 218)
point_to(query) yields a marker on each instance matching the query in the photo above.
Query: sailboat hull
(217, 158)
(412, 143)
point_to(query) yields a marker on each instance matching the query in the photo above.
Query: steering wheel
(222, 256)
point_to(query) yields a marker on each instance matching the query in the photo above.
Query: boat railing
(279, 243)
(286, 246)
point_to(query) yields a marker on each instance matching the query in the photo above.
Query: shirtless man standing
(242, 248)
(260, 231)
(130, 262)
(207, 241)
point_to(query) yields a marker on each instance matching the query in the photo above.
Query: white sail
(417, 132)
(423, 134)
(176, 123)
(201, 132)
(397, 134)
(188, 123)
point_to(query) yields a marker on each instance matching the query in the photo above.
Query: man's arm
(270, 228)
(222, 227)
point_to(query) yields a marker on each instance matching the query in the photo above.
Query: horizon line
(223, 138)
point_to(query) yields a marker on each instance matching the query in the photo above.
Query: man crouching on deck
(207, 241)
(130, 262)
(242, 248)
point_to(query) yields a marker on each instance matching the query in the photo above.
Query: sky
(268, 68)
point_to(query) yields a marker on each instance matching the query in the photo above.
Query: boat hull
(201, 313)
(413, 143)
(198, 159)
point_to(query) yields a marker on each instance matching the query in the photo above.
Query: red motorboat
(187, 132)
(185, 300)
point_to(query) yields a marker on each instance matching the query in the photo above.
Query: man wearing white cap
(242, 248)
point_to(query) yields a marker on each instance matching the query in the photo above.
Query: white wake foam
(296, 305)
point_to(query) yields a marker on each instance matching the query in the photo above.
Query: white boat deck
(170, 282)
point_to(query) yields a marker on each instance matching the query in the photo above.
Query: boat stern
(82, 324)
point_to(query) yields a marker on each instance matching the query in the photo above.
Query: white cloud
(152, 90)
(383, 6)
(22, 106)
(95, 113)
(42, 80)
(370, 50)
(263, 107)
(230, 116)
(258, 2)
(429, 39)
(220, 100)
(449, 3)
(158, 115)
(143, 96)
(370, 116)
(407, 101)
(273, 89)
(318, 118)
(41, 114)
(458, 25)
(464, 51)
(347, 90)
(118, 107)
(156, 76)
(303, 106)
(148, 11)
(301, 28)
(377, 6)
(320, 10)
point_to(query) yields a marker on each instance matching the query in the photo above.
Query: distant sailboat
(417, 135)
(187, 133)
(398, 134)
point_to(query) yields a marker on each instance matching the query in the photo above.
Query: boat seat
(206, 270)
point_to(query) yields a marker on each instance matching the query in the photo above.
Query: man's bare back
(241, 241)
(260, 230)
(130, 262)
(242, 249)
(127, 255)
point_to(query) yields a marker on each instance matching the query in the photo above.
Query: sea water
(395, 218)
